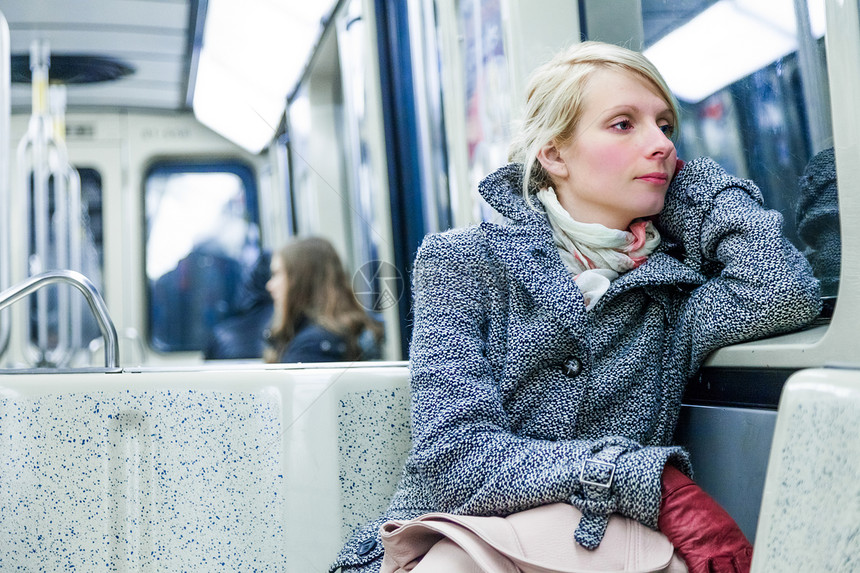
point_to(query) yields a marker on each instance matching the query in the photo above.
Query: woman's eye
(623, 125)
(668, 129)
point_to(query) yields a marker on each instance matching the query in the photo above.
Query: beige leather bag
(538, 540)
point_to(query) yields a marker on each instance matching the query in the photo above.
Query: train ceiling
(144, 44)
(148, 47)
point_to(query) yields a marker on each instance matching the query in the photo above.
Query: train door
(336, 152)
(190, 235)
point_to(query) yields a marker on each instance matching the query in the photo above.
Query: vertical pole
(814, 81)
(5, 198)
(62, 220)
(39, 65)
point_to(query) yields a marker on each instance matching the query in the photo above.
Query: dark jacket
(241, 335)
(516, 388)
(314, 343)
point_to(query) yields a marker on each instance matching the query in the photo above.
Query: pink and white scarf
(596, 255)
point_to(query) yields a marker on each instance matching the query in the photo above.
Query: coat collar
(501, 190)
(531, 258)
(526, 248)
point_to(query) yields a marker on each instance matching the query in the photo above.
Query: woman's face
(277, 284)
(620, 161)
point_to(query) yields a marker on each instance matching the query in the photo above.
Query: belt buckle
(603, 485)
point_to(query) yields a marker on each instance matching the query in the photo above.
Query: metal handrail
(94, 299)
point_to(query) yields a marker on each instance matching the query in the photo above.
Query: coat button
(538, 252)
(366, 546)
(573, 367)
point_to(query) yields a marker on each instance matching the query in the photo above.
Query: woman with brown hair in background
(317, 316)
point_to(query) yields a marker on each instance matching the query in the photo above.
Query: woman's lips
(656, 178)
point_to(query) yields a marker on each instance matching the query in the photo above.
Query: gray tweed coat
(521, 398)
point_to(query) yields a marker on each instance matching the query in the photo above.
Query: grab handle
(94, 299)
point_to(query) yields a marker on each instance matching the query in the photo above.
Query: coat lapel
(660, 269)
(532, 261)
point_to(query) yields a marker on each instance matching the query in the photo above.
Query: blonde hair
(556, 97)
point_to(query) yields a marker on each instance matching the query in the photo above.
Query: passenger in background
(549, 354)
(317, 316)
(240, 336)
(179, 293)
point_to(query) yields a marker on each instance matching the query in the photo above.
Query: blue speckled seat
(809, 510)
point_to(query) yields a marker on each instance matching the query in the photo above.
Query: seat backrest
(346, 450)
(810, 512)
(199, 469)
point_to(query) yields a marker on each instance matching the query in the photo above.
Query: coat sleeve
(758, 283)
(464, 445)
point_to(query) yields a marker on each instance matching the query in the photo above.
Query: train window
(91, 203)
(755, 100)
(438, 191)
(202, 236)
(67, 325)
(362, 147)
(464, 98)
(91, 255)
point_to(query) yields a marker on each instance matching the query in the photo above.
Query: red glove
(706, 537)
(679, 164)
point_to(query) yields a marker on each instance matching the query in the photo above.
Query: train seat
(811, 499)
(234, 468)
(346, 454)
(273, 467)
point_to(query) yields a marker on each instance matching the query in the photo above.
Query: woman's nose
(659, 143)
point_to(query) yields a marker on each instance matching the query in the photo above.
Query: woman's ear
(551, 160)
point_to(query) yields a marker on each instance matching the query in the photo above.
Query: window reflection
(758, 103)
(817, 220)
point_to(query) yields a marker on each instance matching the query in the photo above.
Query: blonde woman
(549, 354)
